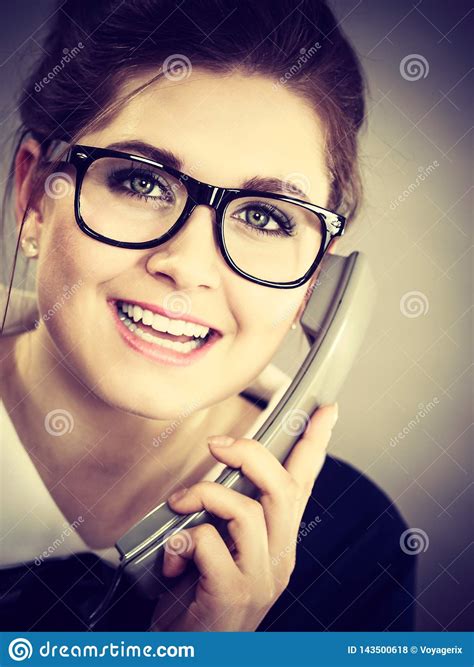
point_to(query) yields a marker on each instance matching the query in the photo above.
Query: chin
(159, 406)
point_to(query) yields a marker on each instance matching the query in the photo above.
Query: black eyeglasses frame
(199, 193)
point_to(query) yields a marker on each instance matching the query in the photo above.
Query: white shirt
(31, 524)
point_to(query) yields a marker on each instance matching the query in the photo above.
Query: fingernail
(220, 440)
(336, 413)
(178, 494)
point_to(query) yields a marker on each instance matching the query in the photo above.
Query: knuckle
(250, 442)
(202, 487)
(247, 508)
(250, 447)
(254, 509)
(205, 532)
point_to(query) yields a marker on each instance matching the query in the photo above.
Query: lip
(167, 313)
(157, 353)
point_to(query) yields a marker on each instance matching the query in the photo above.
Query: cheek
(72, 275)
(68, 256)
(264, 315)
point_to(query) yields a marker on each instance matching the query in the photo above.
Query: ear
(26, 162)
(309, 289)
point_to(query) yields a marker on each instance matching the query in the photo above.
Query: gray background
(417, 235)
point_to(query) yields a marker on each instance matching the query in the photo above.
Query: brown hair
(94, 46)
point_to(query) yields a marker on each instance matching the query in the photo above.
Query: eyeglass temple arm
(58, 148)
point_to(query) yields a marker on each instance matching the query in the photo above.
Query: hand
(239, 579)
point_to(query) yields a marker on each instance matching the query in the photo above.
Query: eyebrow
(170, 159)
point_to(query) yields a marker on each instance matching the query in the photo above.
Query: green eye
(265, 218)
(255, 216)
(142, 185)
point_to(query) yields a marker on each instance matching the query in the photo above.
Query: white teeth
(137, 313)
(160, 323)
(164, 324)
(188, 329)
(176, 327)
(147, 317)
(185, 348)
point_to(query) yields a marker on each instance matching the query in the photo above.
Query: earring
(293, 326)
(29, 246)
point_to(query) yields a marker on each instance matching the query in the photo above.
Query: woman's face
(226, 130)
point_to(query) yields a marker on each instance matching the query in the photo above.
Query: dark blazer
(351, 573)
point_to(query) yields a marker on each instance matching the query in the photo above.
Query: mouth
(166, 339)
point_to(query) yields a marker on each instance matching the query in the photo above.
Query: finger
(203, 545)
(279, 491)
(246, 520)
(307, 457)
(304, 465)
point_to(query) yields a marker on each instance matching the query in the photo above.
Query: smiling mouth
(174, 334)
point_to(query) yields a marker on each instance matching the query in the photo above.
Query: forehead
(226, 128)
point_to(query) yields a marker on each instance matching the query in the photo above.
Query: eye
(258, 217)
(265, 217)
(142, 184)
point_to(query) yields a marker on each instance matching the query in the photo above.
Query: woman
(170, 316)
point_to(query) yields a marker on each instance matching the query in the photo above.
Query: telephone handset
(334, 322)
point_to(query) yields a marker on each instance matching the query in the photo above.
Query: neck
(115, 464)
(101, 437)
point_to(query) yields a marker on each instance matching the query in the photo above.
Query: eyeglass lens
(134, 202)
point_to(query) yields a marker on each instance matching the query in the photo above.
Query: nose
(191, 258)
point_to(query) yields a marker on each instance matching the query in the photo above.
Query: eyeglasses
(130, 201)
